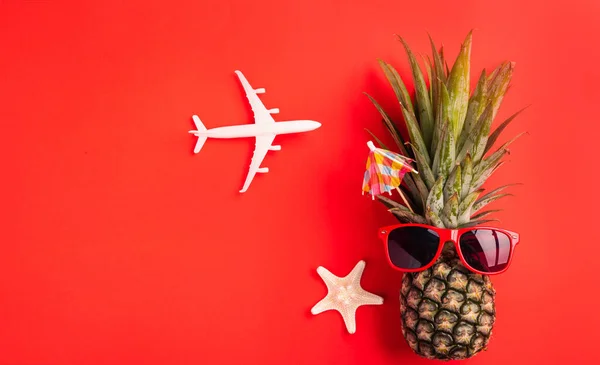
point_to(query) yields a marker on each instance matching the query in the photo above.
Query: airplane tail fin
(200, 128)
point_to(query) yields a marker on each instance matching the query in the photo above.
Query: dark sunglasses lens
(486, 250)
(412, 247)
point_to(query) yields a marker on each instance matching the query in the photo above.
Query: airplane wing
(263, 144)
(261, 113)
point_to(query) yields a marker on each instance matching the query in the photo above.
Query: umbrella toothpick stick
(404, 199)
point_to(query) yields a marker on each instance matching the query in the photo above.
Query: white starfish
(345, 295)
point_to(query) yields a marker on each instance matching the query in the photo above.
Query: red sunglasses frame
(447, 234)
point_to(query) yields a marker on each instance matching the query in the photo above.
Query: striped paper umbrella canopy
(385, 170)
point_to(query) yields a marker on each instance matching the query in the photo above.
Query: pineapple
(447, 311)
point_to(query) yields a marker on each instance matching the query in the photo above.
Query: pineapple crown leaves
(449, 136)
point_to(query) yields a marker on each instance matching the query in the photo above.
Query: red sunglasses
(416, 247)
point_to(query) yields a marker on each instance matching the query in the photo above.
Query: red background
(119, 246)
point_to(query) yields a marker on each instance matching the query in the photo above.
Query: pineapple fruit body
(447, 311)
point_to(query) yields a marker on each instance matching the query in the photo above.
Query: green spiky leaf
(400, 211)
(453, 184)
(446, 68)
(488, 163)
(391, 204)
(445, 153)
(425, 111)
(467, 176)
(416, 137)
(390, 126)
(413, 192)
(434, 219)
(437, 78)
(397, 85)
(496, 88)
(498, 84)
(495, 71)
(438, 151)
(480, 203)
(476, 107)
(428, 68)
(450, 212)
(438, 63)
(448, 155)
(377, 140)
(485, 214)
(441, 119)
(423, 194)
(493, 159)
(494, 136)
(423, 167)
(408, 216)
(482, 177)
(458, 87)
(496, 191)
(464, 209)
(487, 166)
(477, 135)
(435, 200)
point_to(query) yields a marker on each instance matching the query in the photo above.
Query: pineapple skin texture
(447, 311)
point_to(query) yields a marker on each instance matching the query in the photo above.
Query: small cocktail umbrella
(384, 172)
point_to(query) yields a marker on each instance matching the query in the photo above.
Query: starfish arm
(323, 305)
(357, 272)
(367, 298)
(330, 280)
(349, 315)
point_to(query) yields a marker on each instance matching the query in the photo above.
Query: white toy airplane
(265, 129)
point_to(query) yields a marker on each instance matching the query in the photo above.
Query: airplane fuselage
(264, 130)
(254, 130)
